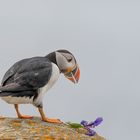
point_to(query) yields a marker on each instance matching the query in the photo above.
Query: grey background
(104, 37)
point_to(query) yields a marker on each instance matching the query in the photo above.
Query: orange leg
(44, 118)
(21, 116)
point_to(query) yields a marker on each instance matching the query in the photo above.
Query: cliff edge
(35, 129)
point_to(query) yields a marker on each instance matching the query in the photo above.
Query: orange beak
(74, 75)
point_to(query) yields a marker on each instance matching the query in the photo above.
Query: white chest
(53, 79)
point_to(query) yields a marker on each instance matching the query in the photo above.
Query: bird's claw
(52, 120)
(25, 117)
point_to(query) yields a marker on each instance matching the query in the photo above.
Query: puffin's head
(68, 65)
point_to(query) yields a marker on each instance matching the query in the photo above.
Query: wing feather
(28, 74)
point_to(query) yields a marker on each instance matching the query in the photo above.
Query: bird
(28, 80)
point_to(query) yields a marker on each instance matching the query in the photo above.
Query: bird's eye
(70, 59)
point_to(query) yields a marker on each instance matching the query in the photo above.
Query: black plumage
(25, 77)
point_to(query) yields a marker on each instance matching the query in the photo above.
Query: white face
(68, 65)
(65, 61)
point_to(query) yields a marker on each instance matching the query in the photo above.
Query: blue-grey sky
(103, 35)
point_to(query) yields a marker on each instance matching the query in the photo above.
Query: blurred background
(103, 35)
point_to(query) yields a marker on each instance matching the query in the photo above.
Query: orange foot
(52, 120)
(25, 117)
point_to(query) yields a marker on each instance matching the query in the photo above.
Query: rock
(35, 129)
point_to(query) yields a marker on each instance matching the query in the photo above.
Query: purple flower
(90, 125)
(84, 123)
(90, 132)
(96, 122)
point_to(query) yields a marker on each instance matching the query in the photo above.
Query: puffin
(28, 80)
